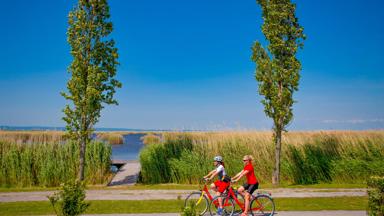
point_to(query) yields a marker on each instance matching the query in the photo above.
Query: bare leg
(213, 187)
(247, 198)
(220, 200)
(241, 190)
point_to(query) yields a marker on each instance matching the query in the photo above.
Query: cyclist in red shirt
(252, 184)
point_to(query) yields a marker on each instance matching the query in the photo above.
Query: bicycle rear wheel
(198, 201)
(262, 205)
(227, 203)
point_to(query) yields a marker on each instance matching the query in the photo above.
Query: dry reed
(308, 157)
(113, 138)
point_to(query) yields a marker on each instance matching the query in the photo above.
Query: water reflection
(130, 149)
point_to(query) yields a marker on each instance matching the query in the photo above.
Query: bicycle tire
(228, 205)
(202, 206)
(262, 205)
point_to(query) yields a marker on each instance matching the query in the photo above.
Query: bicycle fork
(201, 198)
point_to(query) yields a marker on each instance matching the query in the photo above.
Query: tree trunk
(82, 158)
(276, 170)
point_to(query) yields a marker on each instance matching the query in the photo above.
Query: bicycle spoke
(227, 204)
(198, 201)
(263, 205)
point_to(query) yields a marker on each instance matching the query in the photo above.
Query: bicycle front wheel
(198, 201)
(227, 204)
(262, 205)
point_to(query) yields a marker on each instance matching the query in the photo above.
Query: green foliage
(189, 210)
(277, 70)
(376, 196)
(319, 159)
(356, 170)
(69, 201)
(155, 159)
(312, 159)
(93, 69)
(277, 67)
(49, 164)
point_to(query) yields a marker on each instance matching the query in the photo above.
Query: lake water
(130, 149)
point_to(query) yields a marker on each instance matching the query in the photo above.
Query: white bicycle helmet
(218, 158)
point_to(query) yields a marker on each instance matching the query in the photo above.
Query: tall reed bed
(50, 164)
(151, 138)
(308, 157)
(32, 136)
(113, 138)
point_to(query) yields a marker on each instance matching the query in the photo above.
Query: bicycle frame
(203, 192)
(231, 195)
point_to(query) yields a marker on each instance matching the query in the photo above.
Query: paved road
(127, 174)
(119, 194)
(281, 213)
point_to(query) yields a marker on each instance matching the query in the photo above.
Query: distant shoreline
(46, 128)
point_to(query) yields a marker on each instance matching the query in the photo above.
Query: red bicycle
(261, 204)
(199, 198)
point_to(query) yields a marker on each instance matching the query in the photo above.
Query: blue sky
(186, 64)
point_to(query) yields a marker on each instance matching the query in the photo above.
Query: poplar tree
(92, 70)
(277, 68)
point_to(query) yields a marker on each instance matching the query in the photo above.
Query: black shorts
(250, 188)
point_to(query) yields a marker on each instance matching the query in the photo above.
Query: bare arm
(211, 174)
(240, 175)
(237, 175)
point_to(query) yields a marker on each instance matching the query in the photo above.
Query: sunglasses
(244, 160)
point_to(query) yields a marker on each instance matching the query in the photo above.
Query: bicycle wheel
(227, 203)
(262, 205)
(199, 201)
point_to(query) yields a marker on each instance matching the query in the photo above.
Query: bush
(376, 196)
(69, 201)
(189, 210)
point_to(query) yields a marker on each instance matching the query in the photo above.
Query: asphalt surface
(281, 213)
(119, 194)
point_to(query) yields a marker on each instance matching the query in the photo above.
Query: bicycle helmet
(218, 158)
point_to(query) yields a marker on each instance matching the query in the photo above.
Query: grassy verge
(162, 206)
(319, 186)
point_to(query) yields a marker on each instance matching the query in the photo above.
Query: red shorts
(221, 186)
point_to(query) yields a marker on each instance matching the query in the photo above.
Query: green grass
(321, 203)
(163, 206)
(319, 186)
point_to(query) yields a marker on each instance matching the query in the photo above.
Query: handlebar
(204, 180)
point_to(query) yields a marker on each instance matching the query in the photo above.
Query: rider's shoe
(219, 211)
